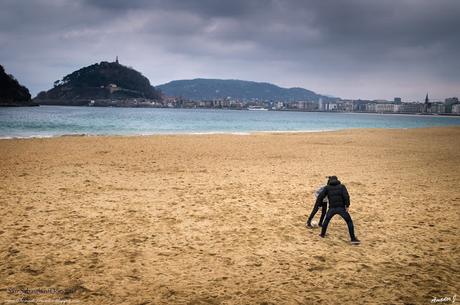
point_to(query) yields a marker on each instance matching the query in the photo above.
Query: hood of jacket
(333, 180)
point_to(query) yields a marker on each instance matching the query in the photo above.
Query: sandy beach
(219, 219)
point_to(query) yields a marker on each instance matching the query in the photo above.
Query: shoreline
(236, 133)
(242, 133)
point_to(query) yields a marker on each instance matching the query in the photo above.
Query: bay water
(48, 121)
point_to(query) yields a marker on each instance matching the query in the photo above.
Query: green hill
(11, 92)
(210, 89)
(105, 80)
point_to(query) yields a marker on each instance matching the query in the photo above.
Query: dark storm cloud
(355, 48)
(204, 8)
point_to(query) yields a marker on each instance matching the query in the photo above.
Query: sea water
(47, 121)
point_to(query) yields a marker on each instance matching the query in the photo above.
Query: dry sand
(219, 219)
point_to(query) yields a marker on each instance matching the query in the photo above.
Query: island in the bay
(102, 84)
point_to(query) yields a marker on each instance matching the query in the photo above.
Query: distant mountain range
(104, 80)
(210, 89)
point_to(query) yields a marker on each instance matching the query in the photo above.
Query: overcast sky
(371, 49)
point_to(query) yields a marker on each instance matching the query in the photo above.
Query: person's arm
(346, 196)
(321, 196)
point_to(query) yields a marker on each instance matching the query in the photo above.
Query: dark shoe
(322, 236)
(355, 241)
(308, 225)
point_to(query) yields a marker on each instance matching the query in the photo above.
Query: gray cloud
(356, 48)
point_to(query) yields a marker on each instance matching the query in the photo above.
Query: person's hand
(347, 208)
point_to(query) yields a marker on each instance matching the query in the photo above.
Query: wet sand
(219, 219)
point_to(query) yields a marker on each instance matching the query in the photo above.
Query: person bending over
(339, 202)
(322, 205)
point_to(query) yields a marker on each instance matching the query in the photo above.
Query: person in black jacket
(339, 202)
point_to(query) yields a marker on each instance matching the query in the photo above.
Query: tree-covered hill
(210, 89)
(11, 92)
(104, 80)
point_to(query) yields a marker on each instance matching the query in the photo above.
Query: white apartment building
(384, 108)
(456, 108)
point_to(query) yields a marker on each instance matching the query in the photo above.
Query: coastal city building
(456, 108)
(448, 106)
(385, 107)
(449, 102)
(437, 107)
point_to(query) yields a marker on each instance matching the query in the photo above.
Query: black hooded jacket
(336, 193)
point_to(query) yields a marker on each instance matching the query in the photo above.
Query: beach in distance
(220, 219)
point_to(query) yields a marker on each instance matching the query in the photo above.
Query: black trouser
(345, 215)
(323, 205)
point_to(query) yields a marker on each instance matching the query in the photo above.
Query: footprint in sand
(32, 270)
(320, 258)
